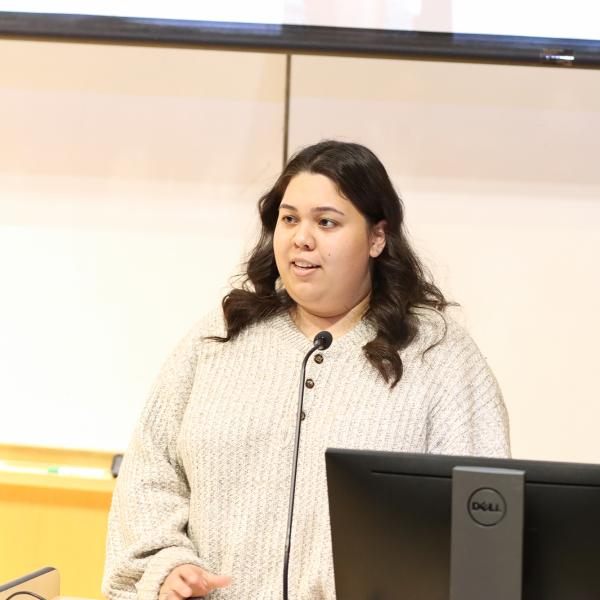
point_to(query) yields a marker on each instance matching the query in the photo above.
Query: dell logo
(492, 507)
(486, 506)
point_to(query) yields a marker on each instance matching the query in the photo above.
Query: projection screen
(538, 32)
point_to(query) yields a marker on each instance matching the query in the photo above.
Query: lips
(304, 264)
(302, 268)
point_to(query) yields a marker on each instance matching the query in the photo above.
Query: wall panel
(497, 166)
(128, 182)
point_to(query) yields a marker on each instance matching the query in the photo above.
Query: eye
(289, 219)
(327, 223)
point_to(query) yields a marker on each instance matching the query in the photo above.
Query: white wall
(498, 168)
(128, 182)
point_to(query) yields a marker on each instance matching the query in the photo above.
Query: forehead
(313, 189)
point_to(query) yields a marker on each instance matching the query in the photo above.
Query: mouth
(304, 267)
(304, 264)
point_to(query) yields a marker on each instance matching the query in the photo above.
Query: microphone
(322, 341)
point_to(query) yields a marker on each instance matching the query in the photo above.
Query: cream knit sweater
(206, 477)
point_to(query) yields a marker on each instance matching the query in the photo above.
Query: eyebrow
(316, 209)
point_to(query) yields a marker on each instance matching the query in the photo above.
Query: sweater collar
(352, 340)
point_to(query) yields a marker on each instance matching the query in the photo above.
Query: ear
(377, 239)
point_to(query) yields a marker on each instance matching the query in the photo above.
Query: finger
(217, 581)
(187, 570)
(195, 578)
(172, 595)
(201, 581)
(181, 588)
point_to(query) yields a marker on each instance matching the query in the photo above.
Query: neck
(310, 324)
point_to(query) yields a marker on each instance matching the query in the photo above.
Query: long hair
(398, 279)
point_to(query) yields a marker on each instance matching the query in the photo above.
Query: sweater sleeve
(467, 415)
(149, 513)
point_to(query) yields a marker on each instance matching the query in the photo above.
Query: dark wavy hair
(399, 281)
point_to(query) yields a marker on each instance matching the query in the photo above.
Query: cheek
(351, 259)
(279, 246)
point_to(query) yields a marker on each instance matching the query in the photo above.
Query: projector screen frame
(303, 39)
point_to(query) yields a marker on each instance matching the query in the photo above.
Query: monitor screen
(43, 582)
(391, 517)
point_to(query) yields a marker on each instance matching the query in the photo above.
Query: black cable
(24, 593)
(322, 341)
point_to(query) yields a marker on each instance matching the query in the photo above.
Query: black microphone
(322, 341)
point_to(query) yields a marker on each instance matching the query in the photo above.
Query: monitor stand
(487, 534)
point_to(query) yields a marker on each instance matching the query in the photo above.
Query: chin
(307, 302)
(318, 309)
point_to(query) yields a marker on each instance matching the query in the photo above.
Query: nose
(303, 238)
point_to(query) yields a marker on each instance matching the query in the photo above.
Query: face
(323, 246)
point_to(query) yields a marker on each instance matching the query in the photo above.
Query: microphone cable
(322, 341)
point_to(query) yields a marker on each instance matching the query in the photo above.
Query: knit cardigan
(206, 477)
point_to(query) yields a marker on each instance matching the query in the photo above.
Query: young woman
(201, 502)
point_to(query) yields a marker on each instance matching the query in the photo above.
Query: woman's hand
(187, 581)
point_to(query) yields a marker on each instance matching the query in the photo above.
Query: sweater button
(310, 384)
(318, 358)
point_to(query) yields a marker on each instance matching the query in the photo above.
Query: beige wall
(128, 179)
(498, 167)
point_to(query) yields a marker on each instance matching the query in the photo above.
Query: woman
(203, 491)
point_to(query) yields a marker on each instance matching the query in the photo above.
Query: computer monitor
(391, 516)
(43, 582)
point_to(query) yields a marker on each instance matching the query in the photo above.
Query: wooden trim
(56, 468)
